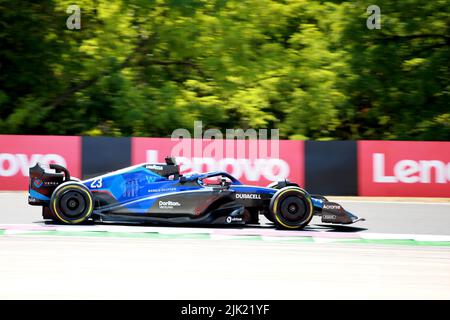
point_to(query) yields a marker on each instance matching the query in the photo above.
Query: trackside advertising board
(251, 163)
(18, 153)
(365, 168)
(404, 168)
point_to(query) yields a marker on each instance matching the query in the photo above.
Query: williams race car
(158, 193)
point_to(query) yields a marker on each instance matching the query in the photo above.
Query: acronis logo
(38, 183)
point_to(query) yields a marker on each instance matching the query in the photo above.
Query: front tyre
(291, 208)
(71, 203)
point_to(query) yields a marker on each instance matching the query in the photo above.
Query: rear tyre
(71, 203)
(291, 208)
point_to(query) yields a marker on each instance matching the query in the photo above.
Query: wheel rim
(293, 209)
(73, 204)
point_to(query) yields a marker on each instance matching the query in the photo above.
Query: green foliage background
(146, 67)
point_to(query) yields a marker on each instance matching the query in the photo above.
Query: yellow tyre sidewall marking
(275, 204)
(78, 220)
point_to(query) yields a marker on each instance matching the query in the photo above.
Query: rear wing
(41, 184)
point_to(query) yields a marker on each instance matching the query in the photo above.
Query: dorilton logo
(168, 204)
(247, 196)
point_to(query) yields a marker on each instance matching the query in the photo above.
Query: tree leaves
(310, 68)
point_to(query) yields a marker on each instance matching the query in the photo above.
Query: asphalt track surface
(101, 267)
(381, 217)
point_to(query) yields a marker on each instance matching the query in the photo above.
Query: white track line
(11, 229)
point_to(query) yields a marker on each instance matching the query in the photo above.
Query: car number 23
(97, 183)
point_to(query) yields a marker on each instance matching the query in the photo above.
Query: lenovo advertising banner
(384, 168)
(251, 162)
(404, 168)
(18, 153)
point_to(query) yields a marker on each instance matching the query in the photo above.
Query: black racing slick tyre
(291, 208)
(274, 185)
(71, 203)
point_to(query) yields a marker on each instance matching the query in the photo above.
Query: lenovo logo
(252, 170)
(270, 169)
(12, 164)
(410, 171)
(19, 153)
(257, 169)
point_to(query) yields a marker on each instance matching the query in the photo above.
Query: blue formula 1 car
(158, 193)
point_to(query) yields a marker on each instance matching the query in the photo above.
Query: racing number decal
(97, 183)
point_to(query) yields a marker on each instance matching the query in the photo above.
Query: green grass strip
(402, 242)
(295, 240)
(246, 237)
(105, 234)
